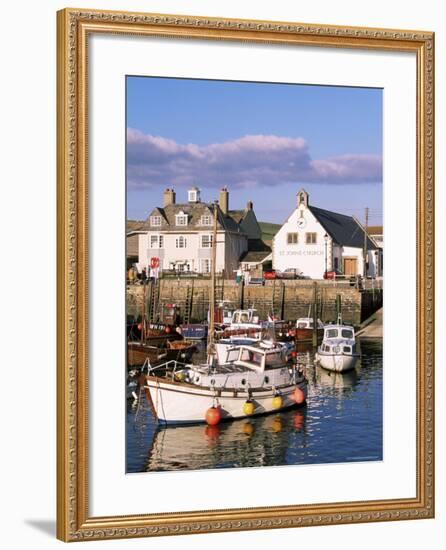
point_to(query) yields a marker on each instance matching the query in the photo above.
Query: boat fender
(277, 401)
(248, 407)
(213, 415)
(298, 396)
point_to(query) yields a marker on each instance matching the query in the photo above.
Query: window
(155, 221)
(347, 333)
(336, 264)
(181, 219)
(206, 220)
(156, 241)
(292, 238)
(310, 238)
(206, 241)
(181, 242)
(205, 266)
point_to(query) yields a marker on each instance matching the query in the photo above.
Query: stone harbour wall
(289, 299)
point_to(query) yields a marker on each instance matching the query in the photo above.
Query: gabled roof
(257, 251)
(344, 230)
(237, 215)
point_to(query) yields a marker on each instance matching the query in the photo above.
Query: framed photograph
(245, 275)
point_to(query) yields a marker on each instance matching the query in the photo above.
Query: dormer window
(181, 219)
(155, 221)
(206, 220)
(193, 194)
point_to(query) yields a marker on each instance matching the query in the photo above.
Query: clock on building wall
(301, 223)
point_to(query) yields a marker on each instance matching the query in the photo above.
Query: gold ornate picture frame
(75, 27)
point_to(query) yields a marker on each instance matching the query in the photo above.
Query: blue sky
(263, 141)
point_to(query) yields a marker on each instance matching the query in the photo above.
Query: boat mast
(143, 313)
(211, 331)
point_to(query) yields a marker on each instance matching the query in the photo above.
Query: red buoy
(298, 396)
(213, 416)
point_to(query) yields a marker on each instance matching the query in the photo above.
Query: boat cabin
(263, 365)
(170, 314)
(307, 322)
(260, 358)
(339, 332)
(245, 316)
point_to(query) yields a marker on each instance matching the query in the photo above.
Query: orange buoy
(248, 407)
(167, 330)
(213, 416)
(277, 402)
(298, 396)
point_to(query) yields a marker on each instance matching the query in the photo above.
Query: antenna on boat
(211, 331)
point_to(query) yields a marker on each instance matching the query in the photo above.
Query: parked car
(271, 274)
(256, 281)
(334, 275)
(290, 273)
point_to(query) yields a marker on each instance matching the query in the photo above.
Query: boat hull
(176, 403)
(337, 362)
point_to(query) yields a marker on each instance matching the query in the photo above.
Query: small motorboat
(303, 331)
(138, 352)
(338, 350)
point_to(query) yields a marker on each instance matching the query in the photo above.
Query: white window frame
(206, 265)
(206, 219)
(209, 237)
(155, 221)
(181, 239)
(288, 235)
(156, 241)
(311, 233)
(192, 195)
(181, 219)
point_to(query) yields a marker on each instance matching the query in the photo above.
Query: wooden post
(315, 315)
(282, 302)
(338, 308)
(365, 242)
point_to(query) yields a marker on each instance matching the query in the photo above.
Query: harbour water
(342, 422)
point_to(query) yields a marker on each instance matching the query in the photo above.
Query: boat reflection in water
(339, 381)
(262, 441)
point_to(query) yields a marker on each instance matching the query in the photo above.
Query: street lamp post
(326, 256)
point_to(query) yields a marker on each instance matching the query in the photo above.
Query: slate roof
(344, 230)
(257, 251)
(194, 213)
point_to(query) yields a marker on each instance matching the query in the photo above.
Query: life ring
(154, 262)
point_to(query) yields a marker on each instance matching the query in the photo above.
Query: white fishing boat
(338, 350)
(259, 381)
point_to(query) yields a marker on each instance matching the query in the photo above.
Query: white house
(178, 236)
(313, 241)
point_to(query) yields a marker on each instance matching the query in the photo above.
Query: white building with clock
(313, 240)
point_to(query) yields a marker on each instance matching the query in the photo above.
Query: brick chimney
(169, 197)
(249, 205)
(224, 200)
